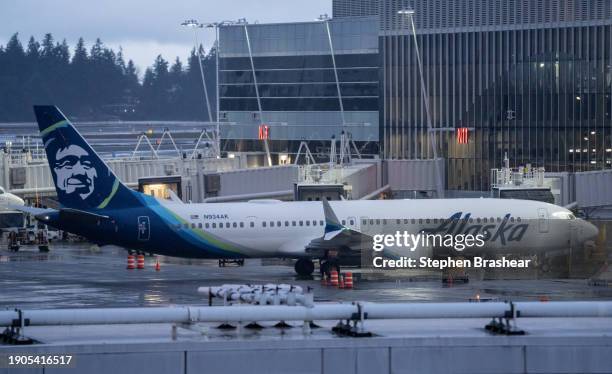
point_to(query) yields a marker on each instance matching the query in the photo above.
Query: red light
(462, 135)
(264, 132)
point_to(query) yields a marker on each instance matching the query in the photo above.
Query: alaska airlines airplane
(96, 205)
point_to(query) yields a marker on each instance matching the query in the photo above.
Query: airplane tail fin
(82, 180)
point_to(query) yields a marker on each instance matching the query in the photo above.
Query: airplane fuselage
(284, 229)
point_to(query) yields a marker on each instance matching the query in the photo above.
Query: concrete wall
(411, 175)
(495, 354)
(269, 179)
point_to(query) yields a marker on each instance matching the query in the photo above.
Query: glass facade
(528, 78)
(307, 81)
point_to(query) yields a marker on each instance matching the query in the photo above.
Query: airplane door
(542, 220)
(144, 228)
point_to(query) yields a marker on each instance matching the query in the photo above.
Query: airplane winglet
(331, 220)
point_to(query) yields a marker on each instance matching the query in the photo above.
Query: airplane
(8, 200)
(95, 204)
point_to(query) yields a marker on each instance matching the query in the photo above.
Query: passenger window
(307, 223)
(478, 220)
(498, 219)
(371, 222)
(378, 222)
(398, 221)
(471, 220)
(207, 225)
(384, 221)
(364, 222)
(301, 223)
(435, 220)
(241, 224)
(293, 223)
(199, 225)
(263, 223)
(420, 221)
(286, 223)
(511, 219)
(278, 223)
(321, 223)
(214, 225)
(343, 222)
(271, 223)
(352, 222)
(518, 219)
(252, 224)
(227, 225)
(427, 220)
(234, 225)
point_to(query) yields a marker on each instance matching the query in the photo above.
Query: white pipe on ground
(249, 313)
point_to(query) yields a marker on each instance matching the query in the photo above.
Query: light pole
(432, 139)
(195, 25)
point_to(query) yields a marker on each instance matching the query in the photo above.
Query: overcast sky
(144, 28)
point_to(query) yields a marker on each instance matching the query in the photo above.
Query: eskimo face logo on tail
(74, 171)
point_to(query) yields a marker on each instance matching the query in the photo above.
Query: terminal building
(296, 82)
(528, 78)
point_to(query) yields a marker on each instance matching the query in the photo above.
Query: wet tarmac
(79, 275)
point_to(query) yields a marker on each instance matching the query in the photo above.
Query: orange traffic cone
(130, 262)
(334, 278)
(140, 262)
(348, 281)
(157, 266)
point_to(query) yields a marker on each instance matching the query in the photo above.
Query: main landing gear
(304, 267)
